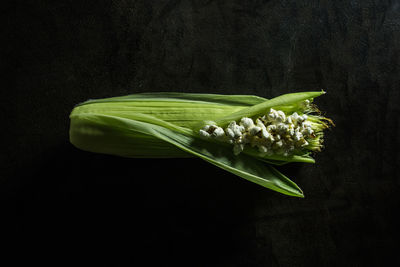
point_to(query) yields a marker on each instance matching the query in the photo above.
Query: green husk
(166, 125)
(263, 107)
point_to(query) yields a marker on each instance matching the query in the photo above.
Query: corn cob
(239, 133)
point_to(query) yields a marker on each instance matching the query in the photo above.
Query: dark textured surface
(72, 206)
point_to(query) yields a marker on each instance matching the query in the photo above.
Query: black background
(66, 205)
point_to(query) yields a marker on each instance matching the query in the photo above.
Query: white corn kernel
(254, 130)
(295, 116)
(281, 127)
(260, 124)
(298, 136)
(307, 131)
(218, 132)
(279, 143)
(271, 127)
(302, 118)
(265, 133)
(306, 124)
(206, 127)
(230, 133)
(272, 114)
(237, 132)
(262, 149)
(232, 125)
(204, 134)
(237, 148)
(247, 122)
(291, 131)
(281, 117)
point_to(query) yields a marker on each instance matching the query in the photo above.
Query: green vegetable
(160, 125)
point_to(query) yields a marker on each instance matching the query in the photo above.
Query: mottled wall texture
(100, 209)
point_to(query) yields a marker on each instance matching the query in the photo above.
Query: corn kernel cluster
(274, 133)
